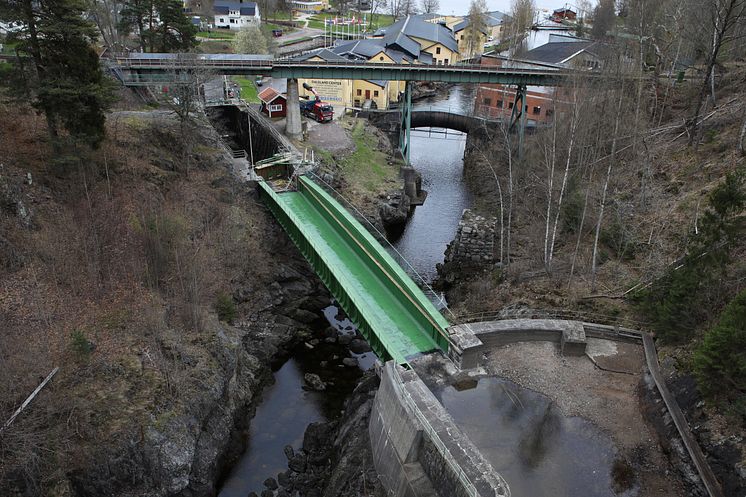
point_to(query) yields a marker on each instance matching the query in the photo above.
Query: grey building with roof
(408, 41)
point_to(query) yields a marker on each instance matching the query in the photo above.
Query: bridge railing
(181, 61)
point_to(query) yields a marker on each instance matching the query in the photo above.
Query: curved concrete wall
(417, 448)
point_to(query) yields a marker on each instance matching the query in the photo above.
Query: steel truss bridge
(144, 69)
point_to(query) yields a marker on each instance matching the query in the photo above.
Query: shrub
(80, 344)
(720, 360)
(225, 308)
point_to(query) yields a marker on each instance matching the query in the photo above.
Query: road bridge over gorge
(142, 69)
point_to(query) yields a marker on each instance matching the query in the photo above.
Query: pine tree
(58, 67)
(720, 360)
(160, 25)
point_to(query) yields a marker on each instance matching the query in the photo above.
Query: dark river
(287, 408)
(526, 438)
(438, 155)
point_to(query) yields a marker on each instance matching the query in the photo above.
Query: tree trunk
(550, 192)
(605, 190)
(723, 21)
(742, 138)
(573, 131)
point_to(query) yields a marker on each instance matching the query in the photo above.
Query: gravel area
(609, 400)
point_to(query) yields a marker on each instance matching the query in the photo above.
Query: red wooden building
(274, 103)
(560, 15)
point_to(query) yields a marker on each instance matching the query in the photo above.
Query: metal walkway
(392, 313)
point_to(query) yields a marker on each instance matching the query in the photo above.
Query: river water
(287, 408)
(438, 155)
(528, 440)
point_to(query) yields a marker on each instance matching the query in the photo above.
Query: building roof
(269, 95)
(397, 44)
(418, 28)
(377, 82)
(558, 52)
(245, 8)
(465, 24)
(364, 48)
(562, 10)
(322, 53)
(495, 18)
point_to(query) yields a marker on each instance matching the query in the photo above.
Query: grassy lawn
(281, 16)
(248, 89)
(217, 35)
(367, 166)
(378, 21)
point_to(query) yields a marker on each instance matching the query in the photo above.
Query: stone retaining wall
(474, 242)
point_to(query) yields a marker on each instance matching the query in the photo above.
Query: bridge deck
(371, 293)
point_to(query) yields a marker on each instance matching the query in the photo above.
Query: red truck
(316, 109)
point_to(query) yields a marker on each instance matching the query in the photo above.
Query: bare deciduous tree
(724, 16)
(430, 6)
(477, 27)
(521, 19)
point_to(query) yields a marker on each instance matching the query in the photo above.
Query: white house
(236, 15)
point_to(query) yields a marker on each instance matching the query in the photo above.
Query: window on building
(499, 104)
(375, 93)
(380, 58)
(222, 19)
(445, 62)
(537, 110)
(510, 105)
(232, 21)
(549, 113)
(462, 37)
(275, 107)
(437, 50)
(486, 101)
(359, 92)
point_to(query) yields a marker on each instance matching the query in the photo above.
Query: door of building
(367, 94)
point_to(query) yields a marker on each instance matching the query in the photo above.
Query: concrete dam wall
(418, 450)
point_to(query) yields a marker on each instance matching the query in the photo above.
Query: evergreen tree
(58, 67)
(160, 25)
(720, 360)
(684, 297)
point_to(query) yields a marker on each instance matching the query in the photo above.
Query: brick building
(496, 101)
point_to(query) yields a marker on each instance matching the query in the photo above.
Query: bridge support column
(406, 121)
(518, 116)
(292, 120)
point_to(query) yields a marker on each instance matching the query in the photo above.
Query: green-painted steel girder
(378, 296)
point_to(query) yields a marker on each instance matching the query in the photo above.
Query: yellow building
(301, 6)
(470, 46)
(408, 41)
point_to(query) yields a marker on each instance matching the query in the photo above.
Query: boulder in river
(359, 346)
(314, 382)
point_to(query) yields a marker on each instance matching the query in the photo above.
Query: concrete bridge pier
(292, 123)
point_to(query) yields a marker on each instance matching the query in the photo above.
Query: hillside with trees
(630, 209)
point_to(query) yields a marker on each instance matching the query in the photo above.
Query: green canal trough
(389, 309)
